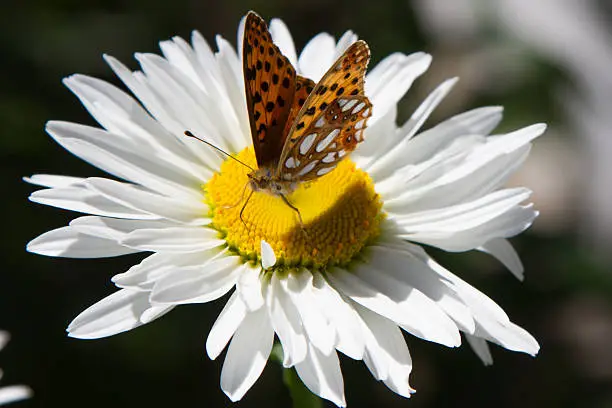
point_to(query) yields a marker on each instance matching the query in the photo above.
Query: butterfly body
(300, 130)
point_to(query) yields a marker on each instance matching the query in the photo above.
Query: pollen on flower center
(341, 212)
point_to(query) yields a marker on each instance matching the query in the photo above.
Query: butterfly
(300, 130)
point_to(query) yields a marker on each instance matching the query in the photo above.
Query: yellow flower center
(340, 211)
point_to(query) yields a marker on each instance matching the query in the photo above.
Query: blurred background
(545, 61)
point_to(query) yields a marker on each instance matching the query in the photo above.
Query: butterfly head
(263, 179)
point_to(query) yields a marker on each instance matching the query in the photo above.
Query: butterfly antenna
(188, 133)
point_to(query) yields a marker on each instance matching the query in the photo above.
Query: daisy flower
(348, 275)
(11, 393)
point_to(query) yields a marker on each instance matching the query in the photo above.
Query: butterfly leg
(294, 208)
(227, 207)
(243, 207)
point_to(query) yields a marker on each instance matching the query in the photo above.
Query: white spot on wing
(324, 170)
(328, 139)
(306, 169)
(342, 102)
(358, 107)
(341, 153)
(320, 122)
(359, 125)
(307, 143)
(349, 105)
(330, 157)
(366, 113)
(291, 163)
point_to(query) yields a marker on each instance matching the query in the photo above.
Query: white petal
(175, 239)
(4, 338)
(375, 140)
(143, 276)
(286, 323)
(456, 181)
(52, 180)
(225, 326)
(240, 34)
(342, 317)
(481, 170)
(481, 348)
(502, 249)
(410, 309)
(191, 212)
(249, 288)
(317, 56)
(468, 293)
(383, 70)
(394, 259)
(68, 243)
(387, 83)
(397, 142)
(479, 121)
(230, 70)
(80, 199)
(230, 67)
(321, 374)
(190, 108)
(218, 103)
(411, 182)
(492, 323)
(282, 38)
(507, 224)
(347, 39)
(470, 225)
(247, 354)
(114, 314)
(123, 158)
(320, 333)
(157, 106)
(432, 322)
(506, 334)
(154, 312)
(268, 258)
(121, 115)
(387, 354)
(14, 393)
(198, 284)
(112, 228)
(231, 101)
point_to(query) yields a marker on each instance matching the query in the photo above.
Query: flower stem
(301, 396)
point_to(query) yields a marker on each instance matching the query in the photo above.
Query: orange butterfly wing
(332, 120)
(303, 88)
(270, 82)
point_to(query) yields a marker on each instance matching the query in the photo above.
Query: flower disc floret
(341, 213)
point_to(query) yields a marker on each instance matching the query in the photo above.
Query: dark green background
(164, 363)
